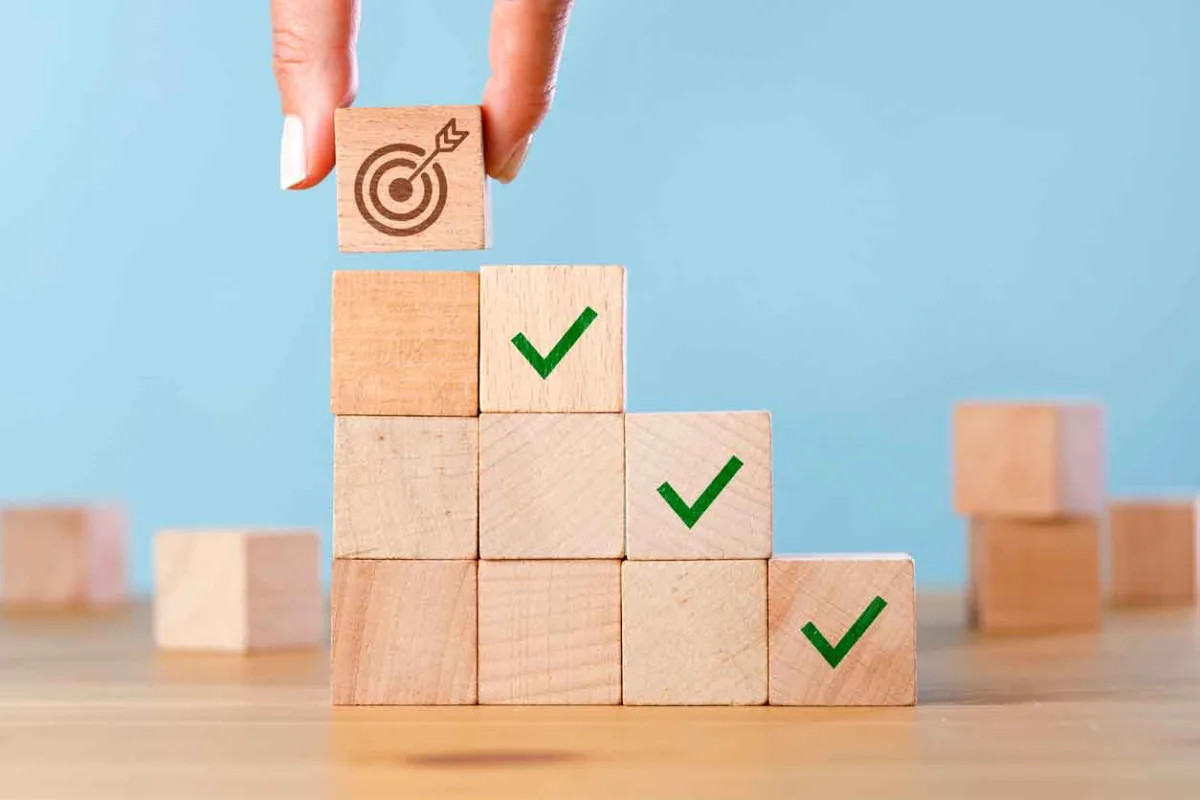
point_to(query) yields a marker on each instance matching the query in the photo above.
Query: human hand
(315, 67)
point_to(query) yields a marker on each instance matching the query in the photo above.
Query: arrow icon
(447, 141)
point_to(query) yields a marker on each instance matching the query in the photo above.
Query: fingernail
(293, 160)
(511, 167)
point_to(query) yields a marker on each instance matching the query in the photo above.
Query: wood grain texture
(1040, 460)
(1153, 552)
(688, 451)
(551, 486)
(404, 632)
(464, 220)
(406, 487)
(694, 632)
(550, 632)
(832, 592)
(542, 303)
(62, 556)
(405, 344)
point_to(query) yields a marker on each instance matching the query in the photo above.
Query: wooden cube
(694, 632)
(404, 632)
(551, 486)
(1029, 459)
(842, 630)
(552, 339)
(698, 485)
(62, 556)
(406, 487)
(405, 344)
(411, 179)
(237, 590)
(1154, 552)
(550, 632)
(1034, 575)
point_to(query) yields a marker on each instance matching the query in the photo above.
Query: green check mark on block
(834, 655)
(692, 514)
(544, 365)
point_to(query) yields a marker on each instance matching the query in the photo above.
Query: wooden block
(411, 179)
(694, 632)
(552, 339)
(842, 630)
(711, 470)
(62, 557)
(550, 632)
(551, 486)
(405, 344)
(1154, 552)
(237, 590)
(404, 632)
(1034, 575)
(406, 487)
(1029, 459)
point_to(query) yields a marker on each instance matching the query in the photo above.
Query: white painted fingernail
(293, 160)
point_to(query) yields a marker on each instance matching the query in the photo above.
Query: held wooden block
(406, 487)
(404, 632)
(698, 485)
(1029, 459)
(551, 486)
(411, 179)
(62, 557)
(1154, 552)
(842, 630)
(1034, 575)
(237, 590)
(405, 344)
(694, 632)
(550, 632)
(552, 339)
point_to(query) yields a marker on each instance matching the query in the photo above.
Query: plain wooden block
(62, 557)
(1154, 552)
(571, 319)
(1029, 459)
(551, 486)
(1034, 575)
(411, 179)
(860, 610)
(237, 590)
(405, 344)
(404, 632)
(689, 456)
(694, 632)
(550, 632)
(406, 487)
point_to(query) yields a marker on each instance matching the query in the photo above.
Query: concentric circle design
(390, 199)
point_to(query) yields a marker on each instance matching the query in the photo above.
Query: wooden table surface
(89, 709)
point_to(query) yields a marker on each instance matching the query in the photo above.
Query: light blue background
(849, 213)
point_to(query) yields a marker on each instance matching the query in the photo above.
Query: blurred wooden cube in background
(62, 556)
(1153, 547)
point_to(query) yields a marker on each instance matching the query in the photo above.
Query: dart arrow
(447, 141)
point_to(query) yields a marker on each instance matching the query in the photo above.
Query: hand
(316, 70)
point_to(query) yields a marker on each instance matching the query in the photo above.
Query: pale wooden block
(550, 632)
(694, 632)
(407, 181)
(1154, 552)
(62, 556)
(406, 487)
(547, 306)
(694, 453)
(551, 486)
(237, 591)
(404, 632)
(1029, 459)
(861, 610)
(405, 344)
(1034, 575)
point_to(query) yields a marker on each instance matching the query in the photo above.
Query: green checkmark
(692, 514)
(544, 365)
(834, 655)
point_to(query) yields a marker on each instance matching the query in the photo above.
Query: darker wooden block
(1154, 552)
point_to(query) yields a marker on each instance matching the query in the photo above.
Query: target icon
(401, 190)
